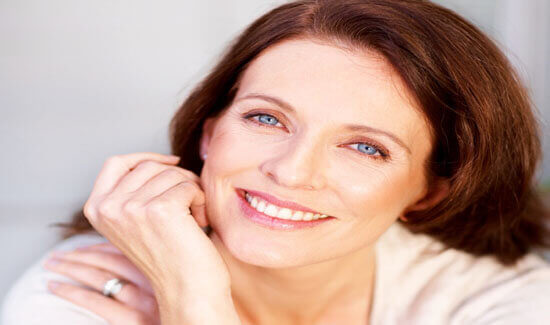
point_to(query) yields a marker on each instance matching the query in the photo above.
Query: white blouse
(412, 286)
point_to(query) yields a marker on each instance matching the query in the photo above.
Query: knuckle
(107, 208)
(178, 172)
(189, 174)
(172, 173)
(89, 210)
(190, 185)
(132, 208)
(147, 164)
(158, 207)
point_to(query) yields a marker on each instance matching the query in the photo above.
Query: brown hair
(486, 138)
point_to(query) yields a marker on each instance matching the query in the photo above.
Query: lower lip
(276, 223)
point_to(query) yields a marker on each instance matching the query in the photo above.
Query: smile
(267, 211)
(275, 211)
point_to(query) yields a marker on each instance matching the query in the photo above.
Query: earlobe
(439, 190)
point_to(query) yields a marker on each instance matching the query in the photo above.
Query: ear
(439, 189)
(207, 129)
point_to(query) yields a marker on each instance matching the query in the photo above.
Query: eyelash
(383, 153)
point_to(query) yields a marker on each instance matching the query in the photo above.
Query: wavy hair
(486, 136)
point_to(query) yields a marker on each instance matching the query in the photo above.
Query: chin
(264, 250)
(258, 245)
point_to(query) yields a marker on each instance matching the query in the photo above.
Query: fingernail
(57, 253)
(52, 262)
(82, 248)
(52, 285)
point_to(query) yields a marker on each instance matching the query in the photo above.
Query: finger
(114, 312)
(96, 278)
(109, 261)
(104, 247)
(189, 194)
(138, 176)
(145, 171)
(117, 166)
(160, 183)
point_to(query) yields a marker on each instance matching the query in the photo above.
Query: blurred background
(83, 80)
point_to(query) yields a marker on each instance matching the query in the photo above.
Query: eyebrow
(351, 127)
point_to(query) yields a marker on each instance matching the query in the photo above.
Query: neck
(332, 291)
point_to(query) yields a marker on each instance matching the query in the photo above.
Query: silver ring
(112, 287)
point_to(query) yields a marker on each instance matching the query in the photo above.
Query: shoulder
(29, 302)
(424, 286)
(508, 295)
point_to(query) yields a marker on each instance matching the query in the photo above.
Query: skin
(261, 275)
(309, 158)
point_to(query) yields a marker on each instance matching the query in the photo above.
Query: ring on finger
(112, 287)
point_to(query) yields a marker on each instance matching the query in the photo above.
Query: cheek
(231, 150)
(235, 148)
(229, 155)
(380, 191)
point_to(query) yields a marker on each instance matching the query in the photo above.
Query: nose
(298, 167)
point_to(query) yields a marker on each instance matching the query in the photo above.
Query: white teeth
(254, 202)
(271, 210)
(298, 215)
(284, 213)
(261, 206)
(281, 213)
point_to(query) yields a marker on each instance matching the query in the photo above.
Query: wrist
(211, 312)
(200, 308)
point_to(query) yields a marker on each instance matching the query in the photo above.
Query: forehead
(327, 83)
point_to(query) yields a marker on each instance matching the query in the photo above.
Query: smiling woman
(369, 162)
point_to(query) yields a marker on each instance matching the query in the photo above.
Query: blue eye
(364, 148)
(368, 149)
(267, 119)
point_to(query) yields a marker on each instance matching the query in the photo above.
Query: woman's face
(331, 130)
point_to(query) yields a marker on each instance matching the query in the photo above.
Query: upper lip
(280, 203)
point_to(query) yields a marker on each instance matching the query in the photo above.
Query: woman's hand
(153, 211)
(92, 266)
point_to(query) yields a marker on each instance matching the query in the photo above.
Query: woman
(346, 162)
